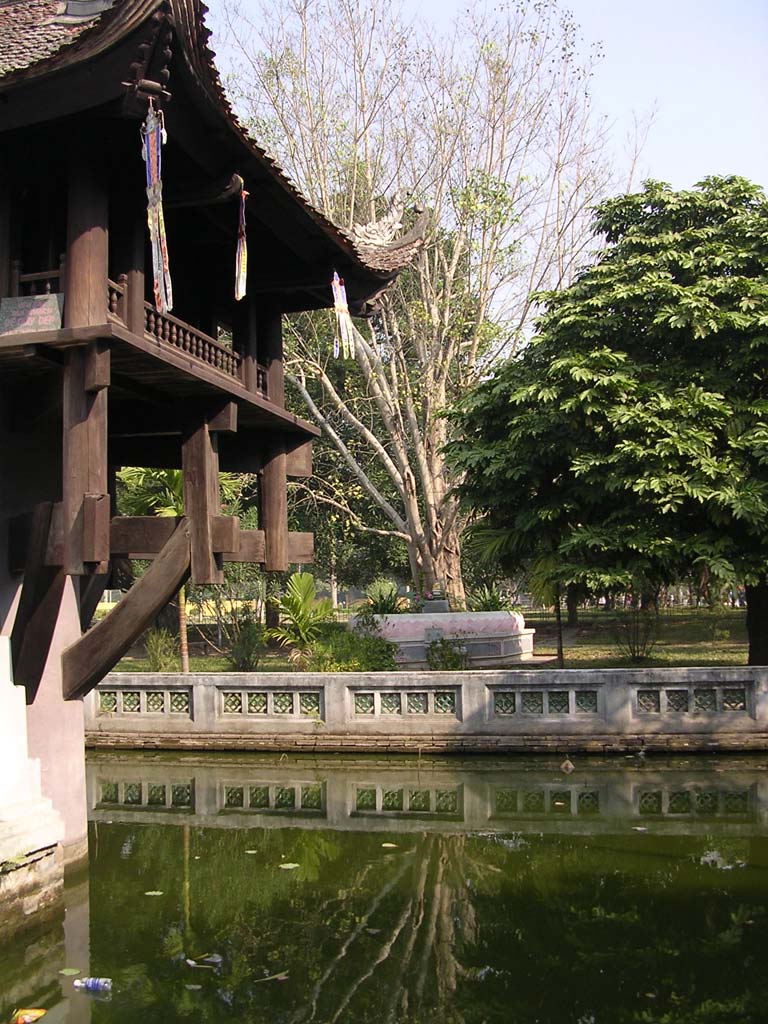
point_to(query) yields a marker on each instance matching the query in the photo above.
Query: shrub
(446, 656)
(362, 649)
(636, 632)
(488, 599)
(301, 616)
(383, 598)
(246, 642)
(161, 650)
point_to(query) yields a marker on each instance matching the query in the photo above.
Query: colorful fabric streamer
(346, 329)
(241, 258)
(153, 137)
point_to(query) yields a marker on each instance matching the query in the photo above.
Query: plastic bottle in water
(94, 984)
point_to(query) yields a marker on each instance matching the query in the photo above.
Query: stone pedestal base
(31, 832)
(483, 639)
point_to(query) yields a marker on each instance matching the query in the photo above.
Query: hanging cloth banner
(241, 258)
(346, 329)
(153, 136)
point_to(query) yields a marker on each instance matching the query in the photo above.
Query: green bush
(302, 616)
(357, 650)
(161, 650)
(446, 656)
(246, 642)
(383, 598)
(488, 599)
(636, 632)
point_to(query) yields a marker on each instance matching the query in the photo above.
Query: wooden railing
(195, 343)
(116, 297)
(42, 282)
(188, 339)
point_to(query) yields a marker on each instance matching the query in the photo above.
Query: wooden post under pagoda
(200, 470)
(246, 341)
(5, 232)
(274, 481)
(86, 369)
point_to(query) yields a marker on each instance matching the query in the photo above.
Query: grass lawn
(693, 637)
(273, 662)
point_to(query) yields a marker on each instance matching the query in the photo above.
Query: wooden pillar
(87, 251)
(274, 481)
(86, 371)
(134, 273)
(200, 470)
(245, 340)
(5, 234)
(270, 334)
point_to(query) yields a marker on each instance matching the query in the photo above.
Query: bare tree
(490, 129)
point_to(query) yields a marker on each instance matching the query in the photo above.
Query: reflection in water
(331, 890)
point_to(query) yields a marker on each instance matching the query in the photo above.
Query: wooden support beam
(140, 536)
(298, 461)
(91, 592)
(250, 549)
(96, 517)
(38, 609)
(145, 536)
(274, 510)
(5, 232)
(89, 659)
(270, 338)
(97, 367)
(245, 339)
(301, 548)
(200, 472)
(84, 485)
(223, 418)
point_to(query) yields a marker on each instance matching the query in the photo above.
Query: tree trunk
(448, 569)
(559, 625)
(757, 623)
(334, 585)
(572, 604)
(183, 643)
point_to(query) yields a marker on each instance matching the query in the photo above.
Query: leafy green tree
(628, 444)
(489, 127)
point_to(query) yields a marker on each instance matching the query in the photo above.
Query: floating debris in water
(280, 976)
(154, 892)
(389, 846)
(69, 972)
(288, 866)
(27, 1016)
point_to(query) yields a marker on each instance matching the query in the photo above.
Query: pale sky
(703, 66)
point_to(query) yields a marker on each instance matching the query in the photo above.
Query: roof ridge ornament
(383, 231)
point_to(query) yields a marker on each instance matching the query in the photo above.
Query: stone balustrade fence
(594, 710)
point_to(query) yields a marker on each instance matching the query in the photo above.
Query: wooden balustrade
(193, 342)
(116, 297)
(42, 282)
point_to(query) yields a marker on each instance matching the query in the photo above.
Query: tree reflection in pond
(630, 927)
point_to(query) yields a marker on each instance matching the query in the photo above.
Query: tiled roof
(33, 30)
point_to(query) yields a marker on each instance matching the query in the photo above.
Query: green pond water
(357, 890)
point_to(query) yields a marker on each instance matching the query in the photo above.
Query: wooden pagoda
(92, 376)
